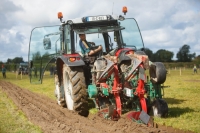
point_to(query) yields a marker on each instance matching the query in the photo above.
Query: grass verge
(13, 120)
(182, 97)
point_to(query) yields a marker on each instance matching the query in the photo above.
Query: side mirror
(47, 43)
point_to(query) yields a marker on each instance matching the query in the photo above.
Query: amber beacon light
(124, 10)
(60, 16)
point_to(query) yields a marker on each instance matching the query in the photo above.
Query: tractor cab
(49, 43)
(111, 32)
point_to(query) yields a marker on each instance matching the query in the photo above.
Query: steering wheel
(92, 43)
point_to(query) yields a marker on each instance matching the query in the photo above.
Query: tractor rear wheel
(58, 93)
(157, 73)
(160, 108)
(75, 89)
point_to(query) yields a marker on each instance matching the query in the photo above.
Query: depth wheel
(160, 108)
(157, 73)
(75, 89)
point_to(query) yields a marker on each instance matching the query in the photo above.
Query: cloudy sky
(164, 24)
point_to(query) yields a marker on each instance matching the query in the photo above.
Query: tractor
(115, 79)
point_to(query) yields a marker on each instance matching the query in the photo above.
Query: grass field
(182, 97)
(183, 100)
(13, 120)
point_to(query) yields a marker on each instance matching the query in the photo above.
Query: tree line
(37, 58)
(162, 55)
(12, 64)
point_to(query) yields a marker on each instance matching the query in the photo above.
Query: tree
(163, 55)
(36, 56)
(149, 53)
(1, 63)
(9, 61)
(197, 60)
(46, 57)
(17, 60)
(184, 55)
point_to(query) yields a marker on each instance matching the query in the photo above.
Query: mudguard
(66, 59)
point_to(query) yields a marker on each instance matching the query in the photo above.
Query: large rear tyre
(159, 108)
(59, 93)
(75, 89)
(157, 73)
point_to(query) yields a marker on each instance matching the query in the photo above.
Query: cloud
(11, 45)
(163, 24)
(7, 12)
(182, 25)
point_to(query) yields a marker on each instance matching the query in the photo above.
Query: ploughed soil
(52, 118)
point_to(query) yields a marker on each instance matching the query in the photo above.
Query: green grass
(182, 97)
(183, 100)
(47, 88)
(13, 120)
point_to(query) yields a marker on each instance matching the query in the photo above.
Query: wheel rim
(57, 93)
(57, 90)
(155, 111)
(68, 92)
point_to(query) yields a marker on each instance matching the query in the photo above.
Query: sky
(164, 24)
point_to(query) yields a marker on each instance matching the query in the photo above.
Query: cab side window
(67, 38)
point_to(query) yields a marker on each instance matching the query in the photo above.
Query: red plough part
(137, 74)
(113, 112)
(140, 116)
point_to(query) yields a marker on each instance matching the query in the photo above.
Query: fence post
(16, 74)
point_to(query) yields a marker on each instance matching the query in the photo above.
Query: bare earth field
(51, 118)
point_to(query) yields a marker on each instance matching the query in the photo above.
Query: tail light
(130, 52)
(72, 59)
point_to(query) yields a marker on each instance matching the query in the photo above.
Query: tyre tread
(79, 93)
